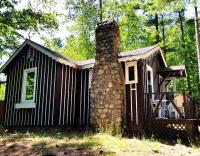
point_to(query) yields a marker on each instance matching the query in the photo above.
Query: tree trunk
(100, 7)
(197, 38)
(163, 35)
(157, 29)
(183, 46)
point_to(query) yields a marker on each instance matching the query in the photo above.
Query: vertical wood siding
(28, 117)
(62, 93)
(72, 97)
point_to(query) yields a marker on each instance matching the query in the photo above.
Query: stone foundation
(107, 87)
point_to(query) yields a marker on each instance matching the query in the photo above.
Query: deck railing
(172, 129)
(183, 127)
(156, 102)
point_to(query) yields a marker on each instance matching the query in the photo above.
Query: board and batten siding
(72, 96)
(60, 101)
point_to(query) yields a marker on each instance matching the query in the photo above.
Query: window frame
(150, 69)
(27, 103)
(90, 78)
(131, 64)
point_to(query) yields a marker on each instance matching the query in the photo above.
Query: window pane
(149, 76)
(30, 85)
(30, 78)
(29, 92)
(131, 71)
(150, 90)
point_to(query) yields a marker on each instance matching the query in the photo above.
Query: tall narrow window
(131, 73)
(150, 87)
(29, 85)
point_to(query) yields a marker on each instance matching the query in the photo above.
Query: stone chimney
(107, 87)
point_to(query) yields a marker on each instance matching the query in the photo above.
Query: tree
(13, 20)
(80, 44)
(142, 23)
(197, 36)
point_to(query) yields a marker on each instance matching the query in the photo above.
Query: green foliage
(81, 44)
(29, 19)
(2, 92)
(13, 20)
(142, 23)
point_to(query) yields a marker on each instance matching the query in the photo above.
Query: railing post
(159, 103)
(185, 105)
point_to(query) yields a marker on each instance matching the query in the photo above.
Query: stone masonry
(107, 87)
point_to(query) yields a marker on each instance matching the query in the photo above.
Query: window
(131, 72)
(28, 89)
(150, 87)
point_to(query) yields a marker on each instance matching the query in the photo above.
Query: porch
(171, 115)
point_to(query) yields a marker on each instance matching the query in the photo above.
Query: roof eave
(27, 42)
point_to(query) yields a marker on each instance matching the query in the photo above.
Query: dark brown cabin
(62, 87)
(46, 89)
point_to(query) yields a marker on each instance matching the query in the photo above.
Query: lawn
(87, 143)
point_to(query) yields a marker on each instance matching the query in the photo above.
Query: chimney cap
(107, 24)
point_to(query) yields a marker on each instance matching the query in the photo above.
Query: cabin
(45, 89)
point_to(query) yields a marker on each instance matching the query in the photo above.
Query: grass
(86, 143)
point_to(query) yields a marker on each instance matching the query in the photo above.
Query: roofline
(131, 58)
(44, 51)
(62, 60)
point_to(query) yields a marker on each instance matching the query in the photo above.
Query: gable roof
(57, 57)
(142, 53)
(132, 55)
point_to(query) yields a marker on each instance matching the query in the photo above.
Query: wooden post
(181, 115)
(100, 7)
(159, 103)
(149, 107)
(185, 105)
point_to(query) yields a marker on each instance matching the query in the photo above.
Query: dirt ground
(31, 144)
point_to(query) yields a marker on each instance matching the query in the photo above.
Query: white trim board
(131, 64)
(24, 105)
(150, 69)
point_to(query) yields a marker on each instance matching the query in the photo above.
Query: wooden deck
(172, 129)
(186, 126)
